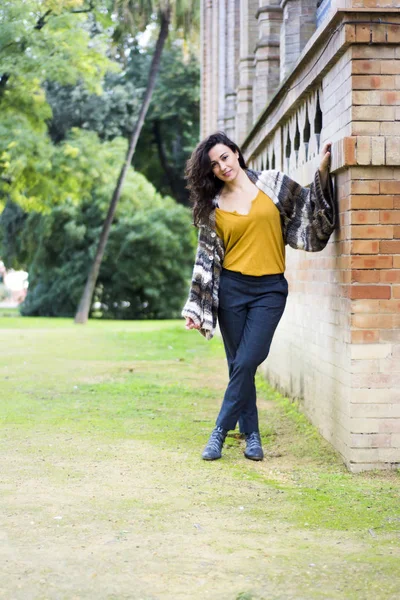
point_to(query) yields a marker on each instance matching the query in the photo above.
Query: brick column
(221, 63)
(267, 60)
(231, 61)
(299, 23)
(248, 40)
(206, 64)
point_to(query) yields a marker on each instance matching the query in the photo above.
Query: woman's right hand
(190, 324)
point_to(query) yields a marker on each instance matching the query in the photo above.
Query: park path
(92, 514)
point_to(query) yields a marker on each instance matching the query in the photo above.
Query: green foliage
(171, 129)
(149, 254)
(45, 40)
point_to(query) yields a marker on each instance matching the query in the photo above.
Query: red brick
(390, 128)
(350, 33)
(391, 276)
(396, 291)
(376, 232)
(365, 337)
(389, 187)
(364, 321)
(389, 98)
(381, 292)
(372, 67)
(363, 150)
(373, 82)
(389, 216)
(390, 67)
(365, 306)
(393, 34)
(392, 145)
(371, 262)
(365, 187)
(374, 174)
(396, 262)
(366, 127)
(378, 31)
(372, 51)
(371, 202)
(373, 113)
(363, 33)
(390, 247)
(349, 150)
(369, 97)
(389, 306)
(365, 247)
(365, 276)
(396, 232)
(364, 217)
(378, 156)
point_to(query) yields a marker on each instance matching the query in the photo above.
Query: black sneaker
(213, 449)
(254, 449)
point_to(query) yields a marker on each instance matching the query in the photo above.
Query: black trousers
(250, 309)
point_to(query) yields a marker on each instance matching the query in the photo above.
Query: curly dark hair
(201, 183)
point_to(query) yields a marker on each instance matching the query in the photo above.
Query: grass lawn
(104, 494)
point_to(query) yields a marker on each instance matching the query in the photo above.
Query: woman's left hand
(325, 159)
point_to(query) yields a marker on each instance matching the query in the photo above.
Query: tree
(150, 232)
(164, 9)
(171, 128)
(41, 41)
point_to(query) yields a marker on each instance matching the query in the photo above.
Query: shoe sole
(257, 458)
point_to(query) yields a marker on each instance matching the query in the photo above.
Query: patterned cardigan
(308, 218)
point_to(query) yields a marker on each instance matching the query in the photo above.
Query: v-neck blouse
(254, 242)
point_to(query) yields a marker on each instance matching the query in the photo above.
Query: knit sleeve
(201, 282)
(310, 213)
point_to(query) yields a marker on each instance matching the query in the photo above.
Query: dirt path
(87, 518)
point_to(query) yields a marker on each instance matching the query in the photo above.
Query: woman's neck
(241, 183)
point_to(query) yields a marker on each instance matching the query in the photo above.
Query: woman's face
(224, 162)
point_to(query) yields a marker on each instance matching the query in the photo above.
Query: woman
(245, 218)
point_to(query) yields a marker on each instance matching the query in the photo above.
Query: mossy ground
(104, 494)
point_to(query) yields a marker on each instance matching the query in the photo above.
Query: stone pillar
(205, 65)
(267, 57)
(231, 61)
(215, 64)
(299, 23)
(248, 40)
(221, 63)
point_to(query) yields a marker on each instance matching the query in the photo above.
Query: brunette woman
(245, 218)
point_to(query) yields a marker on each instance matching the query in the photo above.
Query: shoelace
(217, 438)
(253, 440)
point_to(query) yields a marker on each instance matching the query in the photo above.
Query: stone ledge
(287, 98)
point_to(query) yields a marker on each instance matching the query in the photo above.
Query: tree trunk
(169, 172)
(86, 299)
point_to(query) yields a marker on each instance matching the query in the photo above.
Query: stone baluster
(292, 135)
(301, 120)
(312, 102)
(267, 56)
(298, 25)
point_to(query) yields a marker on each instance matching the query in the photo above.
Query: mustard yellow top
(254, 242)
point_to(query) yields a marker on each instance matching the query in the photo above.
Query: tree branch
(84, 10)
(42, 20)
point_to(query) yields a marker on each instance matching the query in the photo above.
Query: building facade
(281, 79)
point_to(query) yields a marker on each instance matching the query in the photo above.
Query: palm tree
(136, 14)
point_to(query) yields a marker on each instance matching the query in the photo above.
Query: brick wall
(338, 344)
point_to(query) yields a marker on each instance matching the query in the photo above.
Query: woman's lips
(227, 173)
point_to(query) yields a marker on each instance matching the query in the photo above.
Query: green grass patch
(155, 382)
